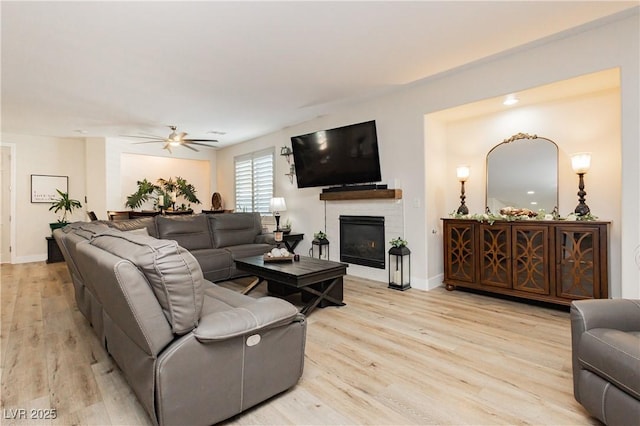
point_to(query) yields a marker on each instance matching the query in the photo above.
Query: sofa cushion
(173, 273)
(250, 318)
(190, 231)
(86, 230)
(215, 263)
(133, 224)
(247, 250)
(231, 229)
(613, 355)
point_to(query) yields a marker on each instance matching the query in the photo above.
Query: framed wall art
(43, 187)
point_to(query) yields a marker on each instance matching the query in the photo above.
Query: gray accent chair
(605, 337)
(192, 352)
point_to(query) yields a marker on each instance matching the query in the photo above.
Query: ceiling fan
(175, 139)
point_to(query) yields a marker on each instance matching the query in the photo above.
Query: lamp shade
(277, 204)
(462, 172)
(581, 162)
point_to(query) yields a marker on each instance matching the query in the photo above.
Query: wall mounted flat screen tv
(342, 156)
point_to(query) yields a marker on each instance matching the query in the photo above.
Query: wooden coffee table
(320, 281)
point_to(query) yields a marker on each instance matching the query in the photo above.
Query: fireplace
(362, 240)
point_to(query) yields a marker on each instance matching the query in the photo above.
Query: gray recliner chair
(605, 337)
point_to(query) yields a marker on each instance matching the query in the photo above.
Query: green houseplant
(145, 190)
(67, 205)
(166, 189)
(398, 242)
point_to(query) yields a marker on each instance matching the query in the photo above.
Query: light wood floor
(387, 358)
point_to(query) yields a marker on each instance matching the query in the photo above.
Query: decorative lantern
(320, 246)
(399, 268)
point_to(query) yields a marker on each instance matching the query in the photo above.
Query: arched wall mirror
(522, 172)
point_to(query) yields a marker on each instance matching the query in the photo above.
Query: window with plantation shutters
(254, 181)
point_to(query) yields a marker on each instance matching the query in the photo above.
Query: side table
(292, 241)
(53, 251)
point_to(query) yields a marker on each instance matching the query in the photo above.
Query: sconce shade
(277, 204)
(581, 162)
(462, 172)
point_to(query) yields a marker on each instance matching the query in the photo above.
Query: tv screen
(342, 156)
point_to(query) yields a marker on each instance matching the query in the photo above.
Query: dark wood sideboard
(549, 261)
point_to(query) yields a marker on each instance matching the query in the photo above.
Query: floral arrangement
(398, 242)
(320, 235)
(541, 215)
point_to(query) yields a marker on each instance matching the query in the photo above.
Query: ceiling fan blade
(167, 146)
(158, 141)
(190, 147)
(200, 144)
(200, 140)
(143, 137)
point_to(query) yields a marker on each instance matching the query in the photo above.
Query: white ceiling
(243, 68)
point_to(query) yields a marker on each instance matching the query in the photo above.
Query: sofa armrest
(617, 314)
(265, 312)
(266, 238)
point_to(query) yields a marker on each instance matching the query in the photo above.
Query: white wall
(404, 155)
(43, 156)
(95, 152)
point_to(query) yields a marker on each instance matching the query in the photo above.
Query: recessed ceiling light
(510, 100)
(81, 131)
(533, 203)
(216, 132)
(531, 192)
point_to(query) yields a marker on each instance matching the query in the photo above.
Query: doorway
(6, 203)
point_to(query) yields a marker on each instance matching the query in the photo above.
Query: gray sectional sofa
(215, 240)
(193, 352)
(605, 335)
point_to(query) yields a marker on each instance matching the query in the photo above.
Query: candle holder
(400, 268)
(462, 172)
(581, 162)
(320, 246)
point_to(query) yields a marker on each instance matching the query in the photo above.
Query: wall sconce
(462, 172)
(277, 205)
(581, 162)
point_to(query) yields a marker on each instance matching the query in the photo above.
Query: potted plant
(170, 190)
(320, 236)
(398, 243)
(67, 205)
(145, 190)
(164, 193)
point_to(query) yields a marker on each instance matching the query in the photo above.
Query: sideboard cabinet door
(530, 247)
(459, 248)
(581, 271)
(495, 255)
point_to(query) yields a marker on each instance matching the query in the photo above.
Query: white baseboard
(435, 282)
(30, 259)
